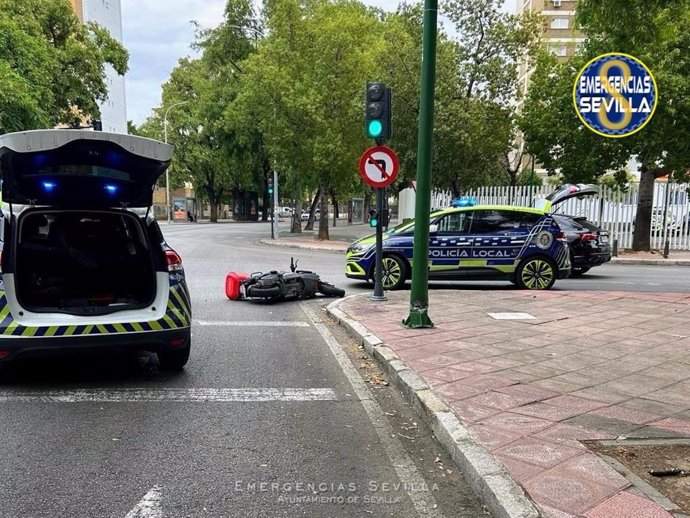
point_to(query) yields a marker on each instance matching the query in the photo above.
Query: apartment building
(108, 13)
(559, 37)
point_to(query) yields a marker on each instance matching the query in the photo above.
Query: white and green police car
(84, 263)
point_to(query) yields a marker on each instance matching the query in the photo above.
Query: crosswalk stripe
(252, 323)
(169, 395)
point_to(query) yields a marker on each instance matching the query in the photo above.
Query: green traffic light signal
(373, 218)
(374, 129)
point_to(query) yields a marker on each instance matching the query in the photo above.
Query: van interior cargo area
(83, 262)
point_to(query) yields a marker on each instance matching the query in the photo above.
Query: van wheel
(536, 273)
(174, 359)
(393, 272)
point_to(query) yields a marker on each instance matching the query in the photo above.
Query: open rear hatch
(77, 169)
(75, 248)
(563, 193)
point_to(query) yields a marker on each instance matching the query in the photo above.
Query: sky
(157, 33)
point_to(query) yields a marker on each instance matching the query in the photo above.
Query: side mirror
(433, 228)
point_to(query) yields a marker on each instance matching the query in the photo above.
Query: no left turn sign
(379, 166)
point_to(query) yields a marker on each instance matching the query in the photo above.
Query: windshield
(409, 224)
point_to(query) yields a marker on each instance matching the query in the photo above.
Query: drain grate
(657, 467)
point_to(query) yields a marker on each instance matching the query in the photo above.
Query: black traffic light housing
(377, 111)
(373, 218)
(270, 185)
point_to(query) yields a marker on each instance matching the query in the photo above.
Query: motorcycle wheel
(256, 292)
(330, 291)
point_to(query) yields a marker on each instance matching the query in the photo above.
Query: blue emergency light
(464, 201)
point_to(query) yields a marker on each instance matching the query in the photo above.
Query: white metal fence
(613, 210)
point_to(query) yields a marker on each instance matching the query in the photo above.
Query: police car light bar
(463, 201)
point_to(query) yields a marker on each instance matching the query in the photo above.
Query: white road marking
(149, 506)
(170, 395)
(512, 316)
(423, 501)
(251, 324)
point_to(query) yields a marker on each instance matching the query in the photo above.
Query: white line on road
(250, 324)
(149, 506)
(175, 395)
(423, 501)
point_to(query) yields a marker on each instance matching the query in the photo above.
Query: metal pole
(419, 294)
(274, 205)
(378, 269)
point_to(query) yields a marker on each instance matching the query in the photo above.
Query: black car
(589, 245)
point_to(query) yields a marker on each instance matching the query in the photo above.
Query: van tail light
(588, 236)
(174, 261)
(562, 236)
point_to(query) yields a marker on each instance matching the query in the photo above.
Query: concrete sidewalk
(512, 382)
(529, 375)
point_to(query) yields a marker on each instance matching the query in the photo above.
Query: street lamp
(167, 175)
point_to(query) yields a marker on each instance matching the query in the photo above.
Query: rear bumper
(594, 259)
(78, 345)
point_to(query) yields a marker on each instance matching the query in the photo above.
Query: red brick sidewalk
(589, 365)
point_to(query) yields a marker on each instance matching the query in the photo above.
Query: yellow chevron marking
(70, 330)
(137, 326)
(52, 330)
(120, 328)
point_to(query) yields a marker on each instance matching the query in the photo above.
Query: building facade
(559, 37)
(108, 13)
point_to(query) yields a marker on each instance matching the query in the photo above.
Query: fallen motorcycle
(274, 285)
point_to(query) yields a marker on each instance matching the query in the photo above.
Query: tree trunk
(335, 209)
(643, 218)
(323, 215)
(296, 227)
(312, 208)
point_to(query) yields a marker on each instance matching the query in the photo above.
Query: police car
(84, 264)
(522, 245)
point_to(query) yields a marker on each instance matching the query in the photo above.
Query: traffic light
(378, 111)
(270, 186)
(373, 218)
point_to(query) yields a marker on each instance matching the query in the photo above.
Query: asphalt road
(278, 413)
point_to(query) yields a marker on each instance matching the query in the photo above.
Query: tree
(303, 89)
(52, 68)
(654, 31)
(474, 125)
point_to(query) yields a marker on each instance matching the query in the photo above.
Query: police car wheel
(536, 273)
(393, 272)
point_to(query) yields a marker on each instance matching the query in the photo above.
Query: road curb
(652, 262)
(285, 243)
(490, 481)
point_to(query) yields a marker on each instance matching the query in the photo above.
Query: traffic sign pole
(378, 265)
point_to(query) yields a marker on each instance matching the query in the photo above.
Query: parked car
(305, 215)
(525, 246)
(589, 245)
(84, 263)
(285, 212)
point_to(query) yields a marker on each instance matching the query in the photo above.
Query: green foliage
(658, 33)
(51, 66)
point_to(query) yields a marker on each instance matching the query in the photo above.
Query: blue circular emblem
(615, 95)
